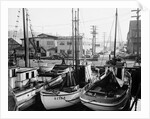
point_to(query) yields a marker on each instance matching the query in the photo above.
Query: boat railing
(98, 92)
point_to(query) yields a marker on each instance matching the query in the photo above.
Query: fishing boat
(111, 92)
(22, 81)
(63, 94)
(113, 89)
(24, 86)
(68, 92)
(21, 84)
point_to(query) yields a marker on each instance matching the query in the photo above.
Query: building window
(69, 51)
(50, 43)
(62, 43)
(27, 75)
(69, 43)
(37, 42)
(33, 74)
(62, 51)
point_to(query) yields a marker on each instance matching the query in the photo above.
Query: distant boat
(112, 91)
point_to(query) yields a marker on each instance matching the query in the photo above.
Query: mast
(138, 32)
(93, 39)
(76, 38)
(73, 37)
(26, 43)
(76, 65)
(104, 34)
(115, 34)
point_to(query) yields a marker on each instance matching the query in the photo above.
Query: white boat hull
(53, 100)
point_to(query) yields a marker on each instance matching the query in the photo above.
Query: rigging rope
(30, 24)
(109, 38)
(119, 33)
(16, 26)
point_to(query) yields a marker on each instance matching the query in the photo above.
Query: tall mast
(104, 34)
(26, 43)
(93, 39)
(138, 31)
(73, 36)
(115, 34)
(76, 65)
(78, 38)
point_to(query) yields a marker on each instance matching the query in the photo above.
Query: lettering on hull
(59, 98)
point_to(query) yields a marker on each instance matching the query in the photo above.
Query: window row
(68, 51)
(63, 43)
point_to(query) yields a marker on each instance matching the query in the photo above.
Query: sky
(58, 21)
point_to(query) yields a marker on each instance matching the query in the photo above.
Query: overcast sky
(58, 21)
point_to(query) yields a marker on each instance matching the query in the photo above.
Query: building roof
(66, 37)
(54, 48)
(42, 35)
(12, 44)
(11, 41)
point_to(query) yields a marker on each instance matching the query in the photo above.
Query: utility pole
(93, 39)
(137, 26)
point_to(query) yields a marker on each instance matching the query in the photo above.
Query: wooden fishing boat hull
(101, 105)
(59, 99)
(25, 98)
(27, 103)
(106, 94)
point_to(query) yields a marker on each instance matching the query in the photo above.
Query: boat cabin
(25, 76)
(21, 77)
(12, 71)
